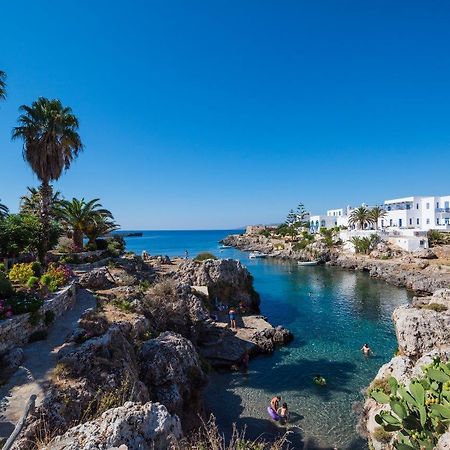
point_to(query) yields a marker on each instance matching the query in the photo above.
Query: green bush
(49, 282)
(37, 268)
(21, 273)
(204, 256)
(6, 289)
(2, 267)
(49, 317)
(116, 245)
(33, 282)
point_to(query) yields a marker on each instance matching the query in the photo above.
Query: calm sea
(331, 312)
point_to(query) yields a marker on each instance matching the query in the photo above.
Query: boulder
(266, 340)
(9, 363)
(96, 279)
(133, 426)
(171, 369)
(424, 253)
(227, 280)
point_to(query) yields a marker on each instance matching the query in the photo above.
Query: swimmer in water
(366, 349)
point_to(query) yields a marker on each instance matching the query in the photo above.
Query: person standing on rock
(186, 254)
(232, 315)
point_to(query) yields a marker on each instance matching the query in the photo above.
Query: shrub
(419, 413)
(116, 245)
(49, 317)
(2, 267)
(21, 273)
(49, 282)
(35, 318)
(6, 289)
(33, 282)
(60, 274)
(37, 268)
(380, 435)
(204, 256)
(438, 307)
(66, 245)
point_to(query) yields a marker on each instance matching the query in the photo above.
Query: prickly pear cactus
(420, 413)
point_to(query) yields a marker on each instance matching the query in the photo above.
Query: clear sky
(216, 114)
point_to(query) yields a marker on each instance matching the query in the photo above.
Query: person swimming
(283, 412)
(366, 349)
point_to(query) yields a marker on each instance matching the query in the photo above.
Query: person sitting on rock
(275, 403)
(283, 412)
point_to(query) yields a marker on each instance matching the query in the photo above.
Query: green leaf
(418, 392)
(407, 397)
(379, 419)
(437, 375)
(393, 385)
(402, 446)
(441, 410)
(380, 397)
(398, 408)
(411, 423)
(389, 418)
(388, 427)
(423, 415)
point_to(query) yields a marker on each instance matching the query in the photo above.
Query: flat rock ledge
(139, 427)
(423, 332)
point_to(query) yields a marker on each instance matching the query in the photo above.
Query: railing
(20, 424)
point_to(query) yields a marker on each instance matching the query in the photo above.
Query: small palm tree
(31, 203)
(2, 85)
(376, 213)
(360, 217)
(50, 143)
(100, 226)
(80, 215)
(4, 211)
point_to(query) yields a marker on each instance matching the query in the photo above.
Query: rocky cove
(132, 370)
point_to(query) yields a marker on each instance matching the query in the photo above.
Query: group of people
(282, 412)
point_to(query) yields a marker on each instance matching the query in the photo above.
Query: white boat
(254, 255)
(225, 246)
(308, 263)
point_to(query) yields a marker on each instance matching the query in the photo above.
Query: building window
(418, 221)
(417, 206)
(437, 221)
(428, 205)
(428, 221)
(390, 222)
(410, 221)
(437, 205)
(382, 223)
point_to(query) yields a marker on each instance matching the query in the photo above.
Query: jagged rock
(96, 279)
(266, 340)
(9, 363)
(163, 259)
(444, 442)
(227, 280)
(171, 368)
(425, 253)
(139, 427)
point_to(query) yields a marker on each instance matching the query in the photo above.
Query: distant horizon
(203, 115)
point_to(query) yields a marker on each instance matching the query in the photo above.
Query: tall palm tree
(2, 85)
(79, 215)
(359, 216)
(31, 203)
(376, 213)
(51, 142)
(3, 211)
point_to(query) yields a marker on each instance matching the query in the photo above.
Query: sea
(331, 312)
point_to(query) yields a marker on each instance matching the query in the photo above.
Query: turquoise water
(332, 313)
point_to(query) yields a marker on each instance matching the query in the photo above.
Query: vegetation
(2, 85)
(420, 413)
(375, 214)
(438, 307)
(50, 143)
(31, 203)
(360, 217)
(204, 256)
(21, 273)
(436, 237)
(3, 211)
(365, 244)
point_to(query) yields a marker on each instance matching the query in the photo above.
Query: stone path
(39, 359)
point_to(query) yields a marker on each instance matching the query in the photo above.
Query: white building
(333, 218)
(422, 213)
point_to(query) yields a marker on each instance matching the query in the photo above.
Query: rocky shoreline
(419, 272)
(133, 369)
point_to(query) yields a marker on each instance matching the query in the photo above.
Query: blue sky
(216, 114)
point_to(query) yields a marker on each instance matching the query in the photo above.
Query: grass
(438, 307)
(380, 435)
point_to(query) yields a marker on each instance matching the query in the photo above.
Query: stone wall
(17, 330)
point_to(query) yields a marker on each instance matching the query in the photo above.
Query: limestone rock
(9, 363)
(266, 340)
(138, 427)
(227, 280)
(96, 279)
(425, 253)
(171, 368)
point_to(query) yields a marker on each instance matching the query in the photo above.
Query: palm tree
(80, 215)
(359, 216)
(376, 213)
(50, 143)
(3, 211)
(31, 203)
(99, 227)
(2, 85)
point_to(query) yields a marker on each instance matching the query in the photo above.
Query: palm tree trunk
(46, 198)
(78, 239)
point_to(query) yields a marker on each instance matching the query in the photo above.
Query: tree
(360, 217)
(82, 216)
(99, 227)
(3, 211)
(23, 233)
(375, 214)
(31, 203)
(2, 85)
(50, 143)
